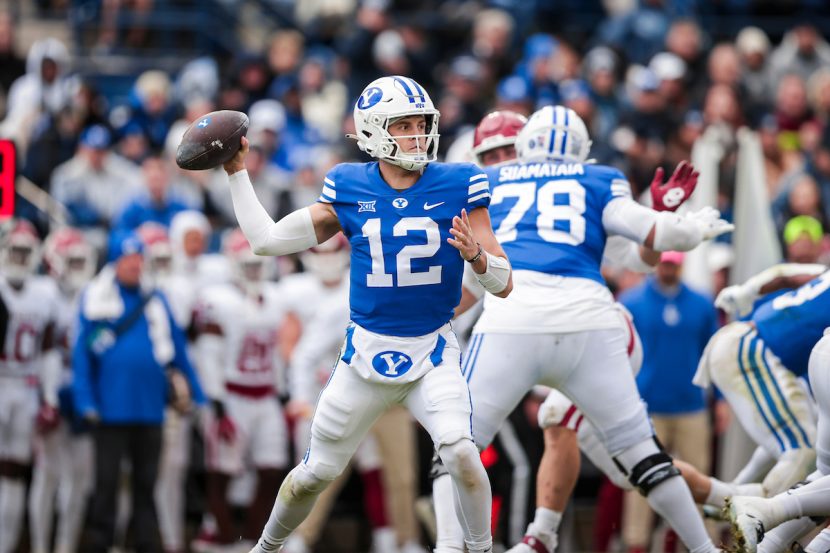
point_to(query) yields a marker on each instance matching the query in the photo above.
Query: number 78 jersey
(405, 277)
(548, 216)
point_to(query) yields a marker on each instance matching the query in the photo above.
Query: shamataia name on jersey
(792, 323)
(548, 216)
(405, 277)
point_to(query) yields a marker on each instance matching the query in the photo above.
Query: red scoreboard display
(7, 175)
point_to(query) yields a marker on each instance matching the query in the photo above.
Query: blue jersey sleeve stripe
(480, 196)
(329, 193)
(328, 181)
(478, 187)
(478, 177)
(620, 188)
(323, 200)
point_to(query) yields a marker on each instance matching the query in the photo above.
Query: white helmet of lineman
(381, 103)
(554, 133)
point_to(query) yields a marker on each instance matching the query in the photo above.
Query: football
(211, 140)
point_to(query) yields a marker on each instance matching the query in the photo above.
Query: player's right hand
(48, 418)
(709, 222)
(672, 194)
(237, 162)
(735, 300)
(298, 409)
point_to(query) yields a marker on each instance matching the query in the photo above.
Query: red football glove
(48, 418)
(226, 429)
(672, 194)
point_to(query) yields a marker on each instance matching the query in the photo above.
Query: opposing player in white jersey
(63, 472)
(238, 328)
(411, 223)
(552, 213)
(27, 358)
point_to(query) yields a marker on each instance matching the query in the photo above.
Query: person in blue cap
(127, 342)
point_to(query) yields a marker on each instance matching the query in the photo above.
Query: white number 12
(379, 278)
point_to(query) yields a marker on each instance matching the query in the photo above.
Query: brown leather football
(211, 140)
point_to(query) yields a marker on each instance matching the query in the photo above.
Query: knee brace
(652, 470)
(303, 483)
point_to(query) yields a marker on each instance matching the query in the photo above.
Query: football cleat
(745, 514)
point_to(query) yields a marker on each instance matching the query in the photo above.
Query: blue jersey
(792, 323)
(405, 277)
(548, 216)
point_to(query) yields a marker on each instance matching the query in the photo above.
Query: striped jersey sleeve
(329, 193)
(478, 190)
(620, 187)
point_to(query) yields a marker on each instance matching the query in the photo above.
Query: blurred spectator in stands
(286, 50)
(818, 93)
(137, 35)
(513, 93)
(151, 108)
(44, 88)
(389, 53)
(198, 80)
(802, 52)
(600, 68)
(54, 140)
(685, 39)
(323, 98)
(722, 107)
(670, 70)
(638, 33)
(12, 65)
(492, 42)
(190, 237)
(576, 95)
(682, 140)
(753, 48)
(791, 110)
(88, 100)
(156, 202)
(271, 185)
(461, 103)
(534, 67)
(675, 323)
(298, 137)
(94, 184)
(724, 66)
(564, 63)
(803, 236)
(132, 144)
(774, 159)
(357, 43)
(251, 78)
(800, 196)
(647, 114)
(126, 342)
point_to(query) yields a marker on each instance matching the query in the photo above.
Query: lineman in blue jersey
(411, 223)
(554, 212)
(756, 364)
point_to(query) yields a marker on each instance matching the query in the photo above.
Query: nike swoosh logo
(427, 206)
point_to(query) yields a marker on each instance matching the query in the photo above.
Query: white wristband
(497, 275)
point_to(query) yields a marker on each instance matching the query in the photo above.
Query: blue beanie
(124, 243)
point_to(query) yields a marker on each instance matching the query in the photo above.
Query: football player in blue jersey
(773, 521)
(756, 363)
(412, 223)
(553, 214)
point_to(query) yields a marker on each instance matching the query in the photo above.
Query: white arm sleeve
(623, 253)
(293, 233)
(755, 283)
(495, 278)
(625, 217)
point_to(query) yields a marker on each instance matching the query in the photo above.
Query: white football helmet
(554, 133)
(249, 270)
(328, 261)
(382, 102)
(70, 258)
(157, 249)
(21, 252)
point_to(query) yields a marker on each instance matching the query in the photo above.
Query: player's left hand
(675, 191)
(48, 418)
(735, 300)
(464, 240)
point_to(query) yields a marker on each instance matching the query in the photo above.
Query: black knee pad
(14, 470)
(437, 469)
(652, 471)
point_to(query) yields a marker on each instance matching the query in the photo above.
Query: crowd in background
(648, 80)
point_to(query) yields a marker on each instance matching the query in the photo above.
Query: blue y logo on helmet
(369, 98)
(391, 363)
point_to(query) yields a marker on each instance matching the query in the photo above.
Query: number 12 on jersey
(559, 204)
(379, 278)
